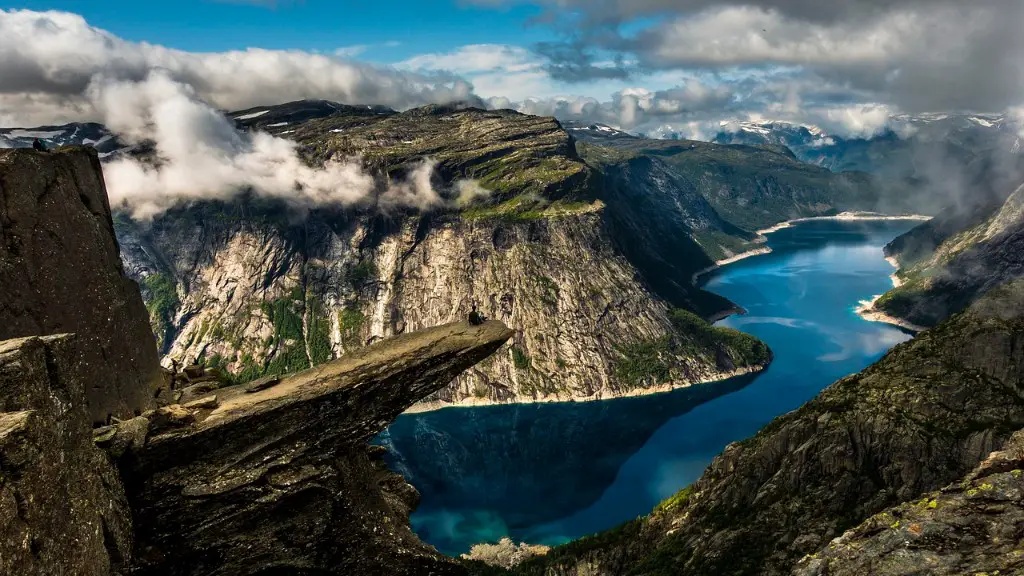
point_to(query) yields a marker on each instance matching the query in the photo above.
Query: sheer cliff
(567, 256)
(60, 272)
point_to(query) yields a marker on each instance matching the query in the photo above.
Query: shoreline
(866, 310)
(844, 216)
(736, 258)
(473, 402)
(896, 281)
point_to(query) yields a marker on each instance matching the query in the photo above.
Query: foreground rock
(920, 418)
(971, 527)
(60, 271)
(278, 481)
(62, 508)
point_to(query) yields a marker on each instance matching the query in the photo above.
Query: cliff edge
(60, 272)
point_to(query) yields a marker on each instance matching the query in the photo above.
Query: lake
(548, 473)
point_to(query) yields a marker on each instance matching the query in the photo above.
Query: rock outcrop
(974, 526)
(920, 418)
(60, 271)
(279, 480)
(62, 507)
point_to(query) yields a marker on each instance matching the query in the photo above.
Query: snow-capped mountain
(74, 134)
(909, 143)
(576, 127)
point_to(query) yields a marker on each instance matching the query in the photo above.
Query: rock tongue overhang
(358, 395)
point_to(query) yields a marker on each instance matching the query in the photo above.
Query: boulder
(62, 507)
(60, 271)
(196, 392)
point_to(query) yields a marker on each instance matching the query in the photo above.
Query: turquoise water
(548, 473)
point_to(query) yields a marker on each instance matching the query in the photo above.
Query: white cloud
(202, 156)
(48, 58)
(476, 58)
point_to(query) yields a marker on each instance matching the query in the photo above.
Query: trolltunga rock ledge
(281, 481)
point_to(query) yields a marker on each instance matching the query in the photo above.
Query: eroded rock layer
(278, 480)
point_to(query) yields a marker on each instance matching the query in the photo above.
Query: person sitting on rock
(37, 144)
(476, 318)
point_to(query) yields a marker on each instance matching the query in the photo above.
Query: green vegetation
(549, 291)
(644, 363)
(572, 551)
(718, 245)
(520, 359)
(162, 303)
(350, 322)
(319, 328)
(675, 502)
(744, 348)
(650, 363)
(163, 296)
(528, 207)
(362, 273)
(287, 323)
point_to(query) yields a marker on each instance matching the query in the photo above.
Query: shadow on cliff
(494, 471)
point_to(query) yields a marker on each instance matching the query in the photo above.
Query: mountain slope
(951, 261)
(753, 187)
(920, 418)
(249, 287)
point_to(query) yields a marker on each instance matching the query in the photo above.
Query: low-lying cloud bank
(201, 156)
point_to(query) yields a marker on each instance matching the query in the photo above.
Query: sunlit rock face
(586, 269)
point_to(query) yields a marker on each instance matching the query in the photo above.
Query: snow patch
(251, 116)
(278, 125)
(34, 134)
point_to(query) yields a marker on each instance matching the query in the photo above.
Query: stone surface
(60, 271)
(62, 507)
(922, 417)
(280, 481)
(975, 526)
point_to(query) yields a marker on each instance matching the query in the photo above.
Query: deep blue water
(548, 473)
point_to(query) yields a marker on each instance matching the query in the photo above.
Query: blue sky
(417, 26)
(652, 66)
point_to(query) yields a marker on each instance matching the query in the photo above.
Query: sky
(847, 66)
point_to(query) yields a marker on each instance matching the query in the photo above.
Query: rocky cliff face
(755, 187)
(969, 527)
(62, 506)
(60, 271)
(552, 252)
(920, 418)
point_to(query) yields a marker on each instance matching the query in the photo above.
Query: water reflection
(503, 470)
